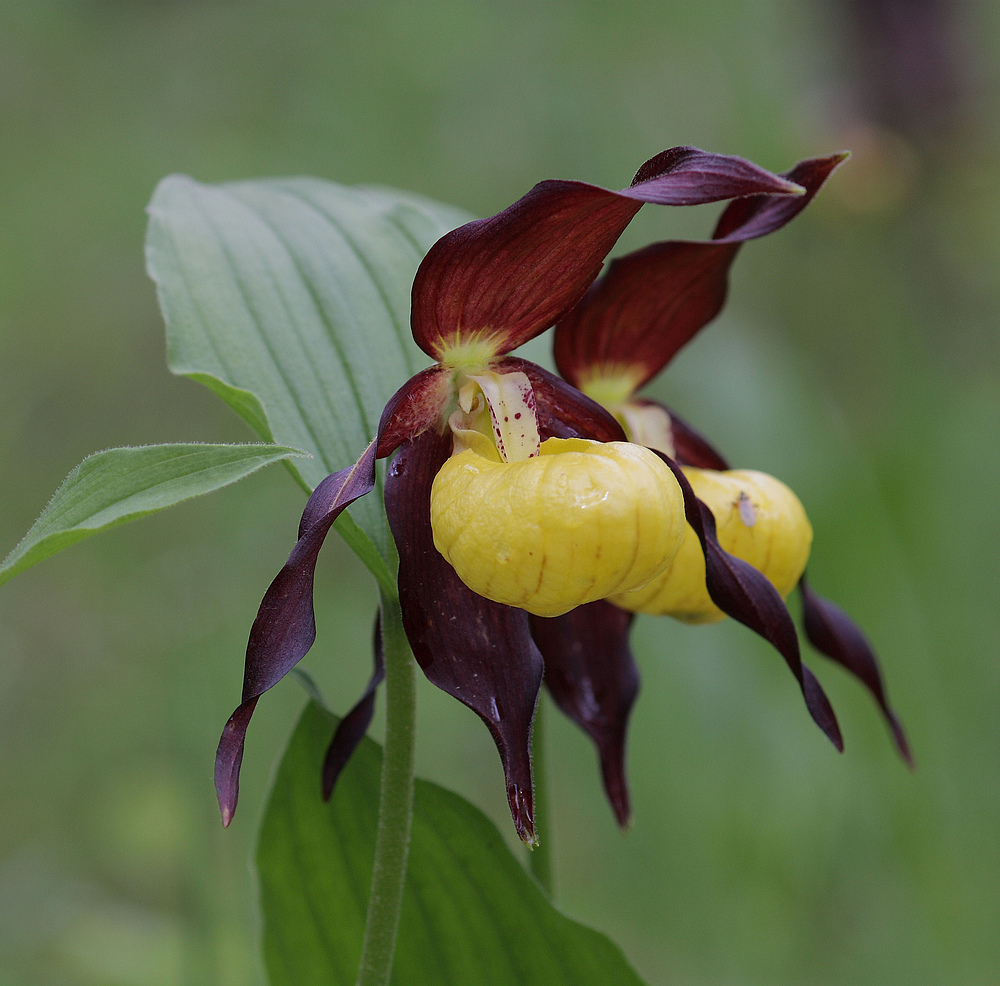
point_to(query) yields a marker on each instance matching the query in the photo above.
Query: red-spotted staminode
(482, 291)
(626, 329)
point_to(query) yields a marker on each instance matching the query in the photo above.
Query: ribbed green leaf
(112, 487)
(289, 298)
(471, 915)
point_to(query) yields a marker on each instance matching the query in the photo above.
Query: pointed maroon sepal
(352, 728)
(833, 633)
(652, 302)
(476, 650)
(746, 595)
(591, 674)
(499, 282)
(285, 627)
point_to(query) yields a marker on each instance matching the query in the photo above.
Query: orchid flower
(497, 467)
(625, 330)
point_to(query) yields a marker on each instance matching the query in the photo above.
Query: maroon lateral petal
(564, 412)
(285, 627)
(758, 215)
(416, 406)
(833, 633)
(652, 302)
(591, 674)
(746, 595)
(692, 448)
(476, 650)
(352, 728)
(504, 279)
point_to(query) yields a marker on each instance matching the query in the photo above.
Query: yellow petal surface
(758, 518)
(577, 523)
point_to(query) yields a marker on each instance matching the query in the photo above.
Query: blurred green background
(857, 360)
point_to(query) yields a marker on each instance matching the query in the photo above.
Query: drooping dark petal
(652, 302)
(498, 282)
(476, 650)
(285, 627)
(692, 448)
(746, 595)
(833, 633)
(354, 725)
(591, 674)
(563, 412)
(417, 405)
(757, 215)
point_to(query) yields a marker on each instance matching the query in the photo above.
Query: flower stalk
(540, 857)
(395, 813)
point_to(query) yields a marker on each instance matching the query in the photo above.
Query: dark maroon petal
(689, 176)
(563, 412)
(692, 448)
(500, 281)
(474, 649)
(833, 633)
(644, 309)
(352, 728)
(758, 215)
(652, 302)
(746, 595)
(590, 672)
(416, 406)
(285, 627)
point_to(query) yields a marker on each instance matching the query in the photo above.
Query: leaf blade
(289, 298)
(118, 485)
(470, 912)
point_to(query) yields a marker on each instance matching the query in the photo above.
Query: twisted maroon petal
(746, 595)
(476, 650)
(285, 627)
(563, 412)
(501, 281)
(590, 672)
(757, 215)
(833, 633)
(689, 176)
(352, 728)
(652, 302)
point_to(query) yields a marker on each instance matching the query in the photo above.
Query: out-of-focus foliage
(857, 361)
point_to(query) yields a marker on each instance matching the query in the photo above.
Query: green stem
(395, 812)
(540, 858)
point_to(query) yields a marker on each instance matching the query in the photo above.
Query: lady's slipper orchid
(481, 291)
(627, 328)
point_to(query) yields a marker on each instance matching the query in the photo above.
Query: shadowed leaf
(470, 915)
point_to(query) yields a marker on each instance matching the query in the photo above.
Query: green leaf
(290, 299)
(109, 488)
(471, 915)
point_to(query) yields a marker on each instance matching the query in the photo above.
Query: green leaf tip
(121, 484)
